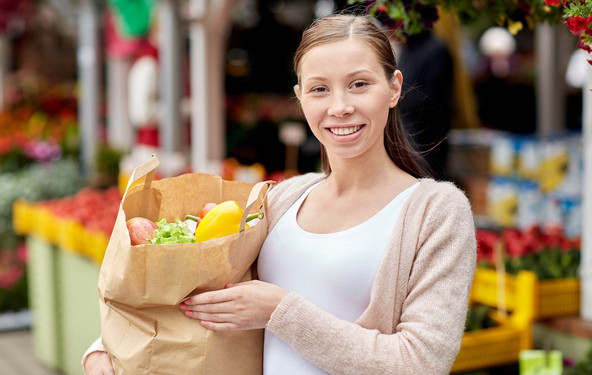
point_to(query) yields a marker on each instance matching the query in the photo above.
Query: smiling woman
(366, 268)
(346, 98)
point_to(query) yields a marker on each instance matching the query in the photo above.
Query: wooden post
(586, 263)
(88, 71)
(4, 64)
(119, 130)
(170, 75)
(209, 20)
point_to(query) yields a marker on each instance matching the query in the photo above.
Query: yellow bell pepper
(222, 220)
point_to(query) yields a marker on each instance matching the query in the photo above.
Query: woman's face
(346, 97)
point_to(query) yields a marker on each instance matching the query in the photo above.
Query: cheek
(379, 109)
(312, 112)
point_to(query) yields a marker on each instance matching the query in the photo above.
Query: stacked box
(502, 344)
(536, 181)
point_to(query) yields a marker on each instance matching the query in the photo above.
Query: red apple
(207, 208)
(141, 230)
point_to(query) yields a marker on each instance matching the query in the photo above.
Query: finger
(222, 327)
(213, 297)
(216, 317)
(219, 307)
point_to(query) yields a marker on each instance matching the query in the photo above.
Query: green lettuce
(172, 233)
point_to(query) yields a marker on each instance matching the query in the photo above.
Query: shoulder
(294, 186)
(286, 192)
(438, 202)
(431, 191)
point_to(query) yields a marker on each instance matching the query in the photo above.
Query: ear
(297, 91)
(396, 85)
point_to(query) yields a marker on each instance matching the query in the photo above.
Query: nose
(340, 106)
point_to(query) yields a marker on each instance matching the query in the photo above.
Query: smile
(345, 130)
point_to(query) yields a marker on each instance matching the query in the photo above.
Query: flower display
(13, 283)
(14, 9)
(577, 16)
(38, 125)
(548, 255)
(408, 17)
(95, 209)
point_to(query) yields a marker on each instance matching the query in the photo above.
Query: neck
(351, 175)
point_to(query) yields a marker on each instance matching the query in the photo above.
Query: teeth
(345, 131)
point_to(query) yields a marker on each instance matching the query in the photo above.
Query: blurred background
(497, 96)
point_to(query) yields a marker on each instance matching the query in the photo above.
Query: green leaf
(172, 233)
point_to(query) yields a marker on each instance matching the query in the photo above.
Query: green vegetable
(478, 317)
(172, 233)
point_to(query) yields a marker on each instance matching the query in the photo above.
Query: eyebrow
(352, 74)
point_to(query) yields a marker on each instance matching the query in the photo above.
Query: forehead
(336, 56)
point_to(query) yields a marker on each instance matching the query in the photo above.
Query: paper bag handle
(145, 169)
(253, 196)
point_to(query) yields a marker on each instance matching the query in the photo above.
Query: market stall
(530, 192)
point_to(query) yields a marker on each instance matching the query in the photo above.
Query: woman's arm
(427, 337)
(440, 241)
(96, 361)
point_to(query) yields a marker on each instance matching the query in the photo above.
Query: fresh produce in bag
(141, 286)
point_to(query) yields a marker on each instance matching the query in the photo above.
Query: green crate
(43, 301)
(79, 318)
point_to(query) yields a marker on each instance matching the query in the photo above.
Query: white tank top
(333, 271)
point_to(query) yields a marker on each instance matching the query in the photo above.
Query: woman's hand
(246, 305)
(98, 363)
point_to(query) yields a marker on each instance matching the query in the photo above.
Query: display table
(65, 305)
(63, 272)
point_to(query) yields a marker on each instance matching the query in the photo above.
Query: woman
(366, 268)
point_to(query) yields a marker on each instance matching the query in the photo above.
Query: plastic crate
(502, 344)
(46, 226)
(95, 244)
(70, 234)
(552, 298)
(22, 216)
(558, 298)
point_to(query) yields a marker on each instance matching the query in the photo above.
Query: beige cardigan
(416, 317)
(415, 321)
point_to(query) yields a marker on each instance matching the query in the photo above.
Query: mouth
(346, 130)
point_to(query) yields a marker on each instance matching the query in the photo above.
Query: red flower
(516, 243)
(585, 47)
(577, 24)
(486, 240)
(382, 9)
(552, 2)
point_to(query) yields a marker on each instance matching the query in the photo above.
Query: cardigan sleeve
(96, 346)
(426, 338)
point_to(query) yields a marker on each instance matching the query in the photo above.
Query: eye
(318, 89)
(359, 84)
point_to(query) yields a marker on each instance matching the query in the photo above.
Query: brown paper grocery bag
(140, 287)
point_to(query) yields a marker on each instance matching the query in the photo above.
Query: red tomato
(207, 208)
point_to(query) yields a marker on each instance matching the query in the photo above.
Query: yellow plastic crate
(46, 225)
(95, 245)
(558, 298)
(22, 216)
(502, 344)
(69, 236)
(489, 347)
(552, 298)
